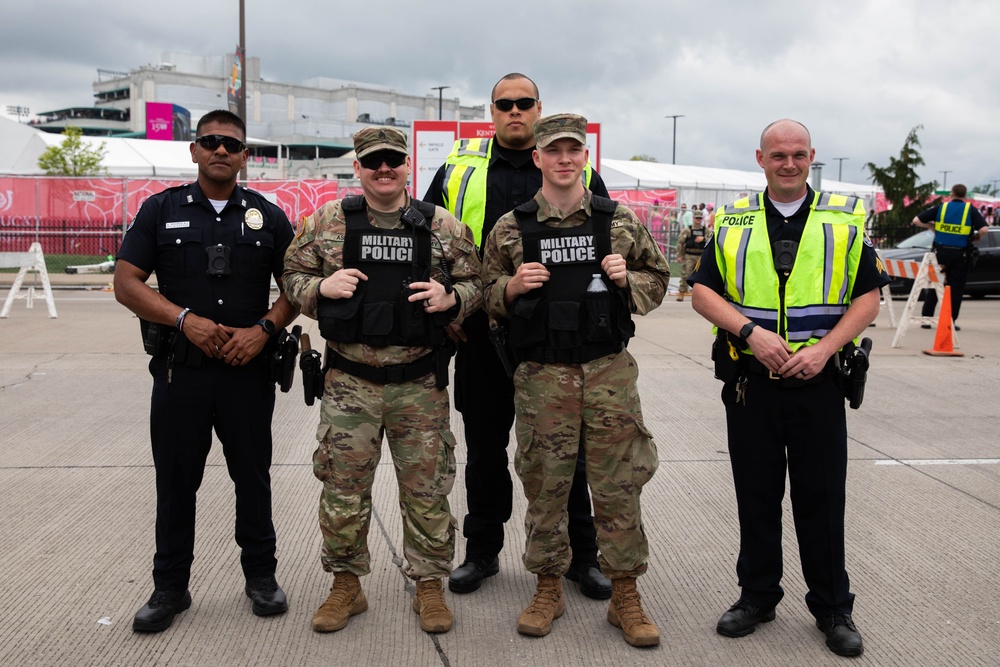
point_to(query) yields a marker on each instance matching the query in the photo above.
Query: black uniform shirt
(173, 231)
(511, 179)
(779, 228)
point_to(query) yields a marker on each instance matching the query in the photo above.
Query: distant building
(296, 130)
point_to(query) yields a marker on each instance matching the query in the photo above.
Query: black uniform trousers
(956, 272)
(801, 430)
(485, 397)
(238, 403)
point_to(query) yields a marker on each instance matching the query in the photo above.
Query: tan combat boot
(546, 606)
(346, 599)
(680, 296)
(428, 601)
(625, 612)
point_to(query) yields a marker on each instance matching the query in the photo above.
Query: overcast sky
(859, 74)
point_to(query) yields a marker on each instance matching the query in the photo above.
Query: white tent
(695, 185)
(124, 157)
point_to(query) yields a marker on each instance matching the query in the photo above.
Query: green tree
(643, 158)
(985, 189)
(906, 195)
(73, 157)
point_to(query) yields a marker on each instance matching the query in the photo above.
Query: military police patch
(868, 241)
(254, 219)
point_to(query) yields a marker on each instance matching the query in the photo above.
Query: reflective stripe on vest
(952, 227)
(832, 239)
(464, 187)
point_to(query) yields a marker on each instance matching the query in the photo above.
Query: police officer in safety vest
(384, 275)
(956, 225)
(567, 270)
(788, 279)
(482, 180)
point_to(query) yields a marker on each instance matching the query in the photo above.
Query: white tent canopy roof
(632, 174)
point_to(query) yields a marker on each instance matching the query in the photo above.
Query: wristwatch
(267, 326)
(745, 331)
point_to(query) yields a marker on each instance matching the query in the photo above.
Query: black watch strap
(267, 326)
(745, 331)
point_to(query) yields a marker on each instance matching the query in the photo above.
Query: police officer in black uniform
(766, 278)
(214, 247)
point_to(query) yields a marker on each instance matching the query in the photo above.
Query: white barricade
(32, 261)
(925, 274)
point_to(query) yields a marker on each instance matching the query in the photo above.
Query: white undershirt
(219, 204)
(788, 208)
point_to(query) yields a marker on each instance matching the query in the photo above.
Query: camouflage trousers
(687, 268)
(558, 406)
(413, 417)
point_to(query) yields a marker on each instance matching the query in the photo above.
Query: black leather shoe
(742, 618)
(468, 576)
(841, 636)
(591, 580)
(267, 596)
(157, 614)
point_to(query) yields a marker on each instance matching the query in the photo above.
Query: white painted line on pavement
(937, 462)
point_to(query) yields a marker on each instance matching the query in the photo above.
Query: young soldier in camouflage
(383, 275)
(566, 270)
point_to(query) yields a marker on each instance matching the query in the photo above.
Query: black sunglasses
(211, 142)
(374, 160)
(523, 103)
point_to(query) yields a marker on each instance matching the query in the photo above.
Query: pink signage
(160, 121)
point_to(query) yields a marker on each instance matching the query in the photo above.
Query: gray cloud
(859, 73)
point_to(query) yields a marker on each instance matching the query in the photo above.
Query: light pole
(440, 90)
(945, 173)
(18, 111)
(840, 166)
(673, 157)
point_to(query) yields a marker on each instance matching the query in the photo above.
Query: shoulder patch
(868, 241)
(301, 226)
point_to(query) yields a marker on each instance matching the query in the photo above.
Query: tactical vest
(465, 182)
(378, 314)
(952, 228)
(693, 247)
(561, 321)
(818, 289)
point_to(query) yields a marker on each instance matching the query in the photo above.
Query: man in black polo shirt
(482, 180)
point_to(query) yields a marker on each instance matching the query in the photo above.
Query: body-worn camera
(218, 260)
(784, 255)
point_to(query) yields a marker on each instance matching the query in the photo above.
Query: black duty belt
(396, 374)
(754, 367)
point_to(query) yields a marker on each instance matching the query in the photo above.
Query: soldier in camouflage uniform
(566, 270)
(385, 335)
(690, 243)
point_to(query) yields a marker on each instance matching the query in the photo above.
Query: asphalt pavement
(76, 483)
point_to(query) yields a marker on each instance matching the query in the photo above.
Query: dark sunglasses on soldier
(211, 142)
(523, 103)
(374, 160)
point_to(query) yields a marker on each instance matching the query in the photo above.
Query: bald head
(785, 154)
(783, 126)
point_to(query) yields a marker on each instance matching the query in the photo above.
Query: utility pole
(440, 90)
(673, 157)
(243, 74)
(19, 111)
(945, 173)
(840, 166)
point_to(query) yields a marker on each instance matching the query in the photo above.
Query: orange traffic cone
(943, 344)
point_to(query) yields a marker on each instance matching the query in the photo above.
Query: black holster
(852, 366)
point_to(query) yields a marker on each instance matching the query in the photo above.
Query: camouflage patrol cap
(699, 214)
(560, 125)
(373, 139)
